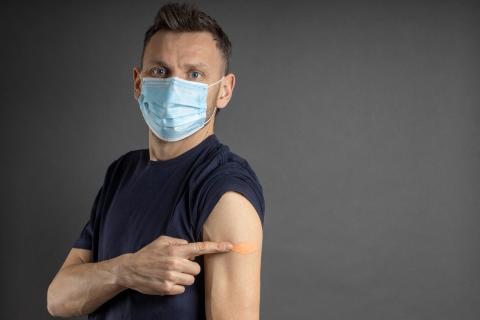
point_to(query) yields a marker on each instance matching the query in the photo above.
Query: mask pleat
(173, 108)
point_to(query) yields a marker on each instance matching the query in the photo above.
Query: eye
(158, 72)
(195, 74)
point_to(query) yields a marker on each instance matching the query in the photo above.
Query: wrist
(121, 268)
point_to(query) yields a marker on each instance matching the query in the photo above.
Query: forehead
(183, 47)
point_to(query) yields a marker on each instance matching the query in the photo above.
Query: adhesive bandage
(244, 247)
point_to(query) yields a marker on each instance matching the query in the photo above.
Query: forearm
(81, 288)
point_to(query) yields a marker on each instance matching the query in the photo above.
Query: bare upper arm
(232, 280)
(77, 256)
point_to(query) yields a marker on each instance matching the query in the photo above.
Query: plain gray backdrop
(361, 120)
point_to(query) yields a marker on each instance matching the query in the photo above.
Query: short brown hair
(185, 17)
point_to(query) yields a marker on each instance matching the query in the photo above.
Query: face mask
(174, 108)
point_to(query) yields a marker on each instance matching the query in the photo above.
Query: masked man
(154, 244)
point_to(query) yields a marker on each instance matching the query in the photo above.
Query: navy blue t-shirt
(141, 199)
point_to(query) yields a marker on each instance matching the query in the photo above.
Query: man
(152, 248)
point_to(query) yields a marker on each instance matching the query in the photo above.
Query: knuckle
(170, 275)
(171, 250)
(201, 246)
(172, 264)
(167, 286)
(168, 265)
(160, 241)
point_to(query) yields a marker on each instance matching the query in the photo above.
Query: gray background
(361, 119)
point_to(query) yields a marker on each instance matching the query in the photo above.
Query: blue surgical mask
(174, 108)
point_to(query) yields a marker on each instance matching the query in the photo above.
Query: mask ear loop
(216, 82)
(211, 116)
(215, 110)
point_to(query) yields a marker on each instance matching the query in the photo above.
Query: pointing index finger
(205, 247)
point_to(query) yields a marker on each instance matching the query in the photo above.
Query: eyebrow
(187, 65)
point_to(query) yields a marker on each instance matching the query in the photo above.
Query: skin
(166, 266)
(232, 280)
(163, 267)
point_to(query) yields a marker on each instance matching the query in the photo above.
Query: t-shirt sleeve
(244, 184)
(85, 240)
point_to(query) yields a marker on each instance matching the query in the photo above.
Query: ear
(226, 90)
(136, 82)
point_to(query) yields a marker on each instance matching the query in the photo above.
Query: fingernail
(227, 246)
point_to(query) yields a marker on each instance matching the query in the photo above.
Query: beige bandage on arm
(244, 247)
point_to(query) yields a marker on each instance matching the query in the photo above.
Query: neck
(164, 150)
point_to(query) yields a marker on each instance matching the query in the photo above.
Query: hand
(164, 266)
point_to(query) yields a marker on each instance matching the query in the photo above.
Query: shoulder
(124, 163)
(229, 176)
(222, 163)
(132, 156)
(233, 217)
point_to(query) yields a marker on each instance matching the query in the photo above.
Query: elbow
(51, 305)
(56, 305)
(51, 310)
